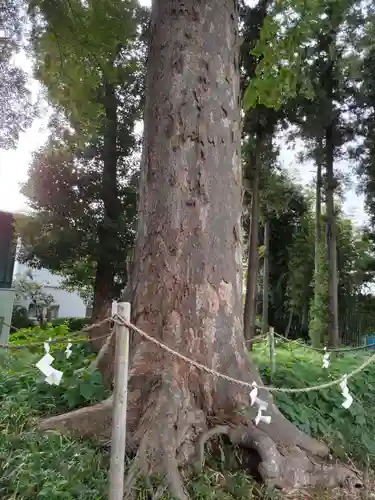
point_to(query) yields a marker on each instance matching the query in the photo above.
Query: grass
(34, 465)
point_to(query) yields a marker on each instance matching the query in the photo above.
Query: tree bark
(266, 273)
(317, 337)
(188, 264)
(333, 312)
(328, 81)
(108, 230)
(289, 325)
(108, 239)
(318, 215)
(253, 253)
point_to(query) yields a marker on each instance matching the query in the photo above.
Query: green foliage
(16, 109)
(51, 467)
(34, 465)
(74, 233)
(90, 57)
(301, 265)
(285, 223)
(42, 333)
(319, 413)
(280, 50)
(79, 47)
(74, 324)
(20, 318)
(364, 153)
(19, 374)
(27, 289)
(355, 263)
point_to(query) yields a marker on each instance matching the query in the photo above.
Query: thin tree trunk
(266, 272)
(103, 289)
(328, 83)
(318, 215)
(253, 260)
(188, 266)
(289, 325)
(333, 313)
(305, 317)
(108, 230)
(317, 335)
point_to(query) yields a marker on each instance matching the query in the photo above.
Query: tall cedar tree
(188, 266)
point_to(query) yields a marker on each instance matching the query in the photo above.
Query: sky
(14, 163)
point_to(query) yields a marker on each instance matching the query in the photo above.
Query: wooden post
(271, 344)
(120, 398)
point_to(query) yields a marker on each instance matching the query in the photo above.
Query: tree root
(280, 466)
(206, 436)
(290, 467)
(86, 422)
(173, 432)
(169, 429)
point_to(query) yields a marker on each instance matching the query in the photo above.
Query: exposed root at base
(85, 422)
(173, 480)
(172, 435)
(290, 467)
(169, 429)
(218, 430)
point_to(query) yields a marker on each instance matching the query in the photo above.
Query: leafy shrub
(55, 467)
(320, 413)
(33, 334)
(37, 334)
(24, 385)
(20, 318)
(74, 324)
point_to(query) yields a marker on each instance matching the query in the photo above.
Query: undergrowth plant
(47, 465)
(350, 433)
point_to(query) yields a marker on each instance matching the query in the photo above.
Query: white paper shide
(261, 404)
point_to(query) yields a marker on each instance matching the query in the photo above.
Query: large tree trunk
(266, 275)
(188, 264)
(253, 259)
(333, 310)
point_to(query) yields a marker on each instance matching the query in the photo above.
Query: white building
(65, 304)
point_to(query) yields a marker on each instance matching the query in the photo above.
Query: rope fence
(241, 383)
(318, 349)
(121, 321)
(263, 338)
(121, 324)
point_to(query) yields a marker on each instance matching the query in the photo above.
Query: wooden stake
(271, 344)
(120, 399)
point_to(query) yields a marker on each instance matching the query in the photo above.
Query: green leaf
(87, 390)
